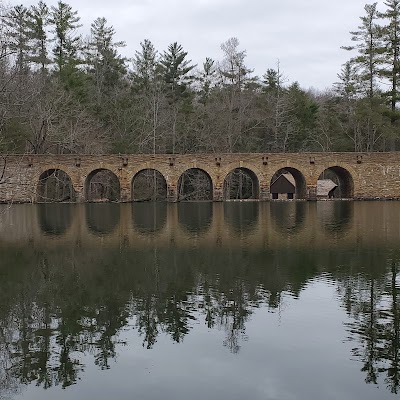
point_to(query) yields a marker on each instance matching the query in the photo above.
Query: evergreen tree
(176, 68)
(391, 43)
(148, 91)
(67, 43)
(38, 19)
(207, 79)
(276, 103)
(146, 68)
(349, 86)
(303, 118)
(272, 81)
(16, 21)
(368, 40)
(106, 66)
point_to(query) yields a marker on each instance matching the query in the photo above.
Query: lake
(235, 300)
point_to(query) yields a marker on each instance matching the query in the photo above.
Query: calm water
(200, 301)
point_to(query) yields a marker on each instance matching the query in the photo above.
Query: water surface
(290, 300)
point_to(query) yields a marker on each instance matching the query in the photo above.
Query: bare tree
(3, 168)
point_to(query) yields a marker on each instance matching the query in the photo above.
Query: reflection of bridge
(252, 225)
(371, 175)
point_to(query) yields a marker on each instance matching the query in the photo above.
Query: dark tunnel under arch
(241, 184)
(342, 178)
(55, 186)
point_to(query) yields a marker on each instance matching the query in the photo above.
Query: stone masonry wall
(373, 175)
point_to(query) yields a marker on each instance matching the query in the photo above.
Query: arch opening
(195, 184)
(102, 185)
(241, 184)
(288, 184)
(149, 185)
(55, 186)
(335, 183)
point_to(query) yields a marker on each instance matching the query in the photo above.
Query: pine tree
(67, 43)
(274, 90)
(176, 70)
(146, 68)
(368, 40)
(349, 85)
(106, 66)
(16, 20)
(207, 79)
(391, 43)
(38, 19)
(148, 90)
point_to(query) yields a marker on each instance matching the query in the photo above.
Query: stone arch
(340, 176)
(241, 183)
(106, 186)
(101, 221)
(54, 185)
(149, 184)
(295, 177)
(195, 184)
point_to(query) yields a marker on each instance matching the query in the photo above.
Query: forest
(62, 92)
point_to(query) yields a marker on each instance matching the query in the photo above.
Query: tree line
(62, 92)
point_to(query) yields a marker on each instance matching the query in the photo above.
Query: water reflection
(372, 301)
(289, 217)
(329, 220)
(242, 217)
(53, 219)
(65, 307)
(102, 218)
(149, 217)
(195, 217)
(335, 216)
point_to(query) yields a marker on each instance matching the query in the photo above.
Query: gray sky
(304, 35)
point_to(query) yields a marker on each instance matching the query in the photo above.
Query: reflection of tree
(227, 301)
(368, 330)
(177, 316)
(392, 334)
(110, 319)
(233, 314)
(8, 381)
(164, 309)
(68, 368)
(25, 367)
(373, 305)
(80, 301)
(147, 319)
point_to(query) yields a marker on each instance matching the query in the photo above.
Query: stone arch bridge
(363, 175)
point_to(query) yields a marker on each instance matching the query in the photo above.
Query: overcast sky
(305, 35)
